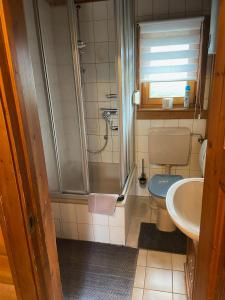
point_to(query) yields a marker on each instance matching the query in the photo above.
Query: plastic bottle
(187, 96)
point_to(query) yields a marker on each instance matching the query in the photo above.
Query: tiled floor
(159, 275)
(142, 212)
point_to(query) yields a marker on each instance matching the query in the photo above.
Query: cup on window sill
(167, 103)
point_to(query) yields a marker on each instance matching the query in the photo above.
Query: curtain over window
(169, 50)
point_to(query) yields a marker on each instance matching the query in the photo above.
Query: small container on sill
(167, 103)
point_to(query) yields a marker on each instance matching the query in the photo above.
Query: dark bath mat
(96, 271)
(153, 239)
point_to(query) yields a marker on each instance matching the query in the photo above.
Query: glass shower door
(126, 82)
(60, 63)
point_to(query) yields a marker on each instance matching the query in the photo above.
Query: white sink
(184, 204)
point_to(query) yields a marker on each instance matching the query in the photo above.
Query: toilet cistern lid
(159, 184)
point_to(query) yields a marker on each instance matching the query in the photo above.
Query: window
(170, 58)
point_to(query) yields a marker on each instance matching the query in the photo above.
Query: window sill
(175, 113)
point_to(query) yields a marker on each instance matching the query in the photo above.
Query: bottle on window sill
(187, 96)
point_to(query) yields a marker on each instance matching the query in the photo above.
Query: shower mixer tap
(107, 114)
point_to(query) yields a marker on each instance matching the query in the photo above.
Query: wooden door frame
(211, 243)
(36, 270)
(12, 220)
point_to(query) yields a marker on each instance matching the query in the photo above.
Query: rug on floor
(96, 271)
(153, 239)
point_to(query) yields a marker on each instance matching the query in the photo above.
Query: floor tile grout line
(172, 281)
(160, 268)
(160, 291)
(144, 284)
(172, 272)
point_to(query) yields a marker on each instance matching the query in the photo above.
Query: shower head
(80, 44)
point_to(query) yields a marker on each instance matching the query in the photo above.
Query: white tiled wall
(99, 75)
(164, 9)
(73, 221)
(147, 10)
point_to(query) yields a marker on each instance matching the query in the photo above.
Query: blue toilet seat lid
(159, 184)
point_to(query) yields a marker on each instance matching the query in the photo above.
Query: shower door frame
(78, 100)
(79, 93)
(126, 108)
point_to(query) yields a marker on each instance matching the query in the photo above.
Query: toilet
(168, 147)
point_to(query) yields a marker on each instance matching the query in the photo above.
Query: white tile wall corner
(73, 221)
(99, 73)
(142, 129)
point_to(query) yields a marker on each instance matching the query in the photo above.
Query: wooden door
(7, 288)
(210, 273)
(25, 208)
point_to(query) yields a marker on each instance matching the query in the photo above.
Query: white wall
(99, 75)
(147, 10)
(164, 9)
(73, 221)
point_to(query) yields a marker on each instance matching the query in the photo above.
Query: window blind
(169, 50)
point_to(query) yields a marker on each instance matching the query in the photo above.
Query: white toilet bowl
(168, 146)
(158, 187)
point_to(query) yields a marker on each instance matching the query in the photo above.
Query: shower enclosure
(84, 78)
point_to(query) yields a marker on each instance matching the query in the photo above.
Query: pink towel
(102, 203)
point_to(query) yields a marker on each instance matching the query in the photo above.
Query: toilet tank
(169, 145)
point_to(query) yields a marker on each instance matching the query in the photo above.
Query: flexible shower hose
(106, 137)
